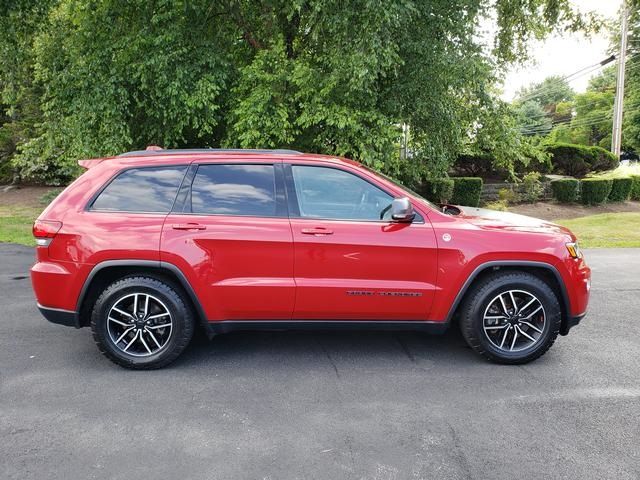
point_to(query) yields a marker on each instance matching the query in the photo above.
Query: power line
(546, 114)
(557, 84)
(575, 124)
(594, 120)
(549, 115)
(577, 121)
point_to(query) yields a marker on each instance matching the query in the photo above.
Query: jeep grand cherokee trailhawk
(144, 246)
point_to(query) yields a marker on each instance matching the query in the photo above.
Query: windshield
(402, 187)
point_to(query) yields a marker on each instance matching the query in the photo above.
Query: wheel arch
(545, 271)
(108, 271)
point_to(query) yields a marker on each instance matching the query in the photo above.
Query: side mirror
(402, 210)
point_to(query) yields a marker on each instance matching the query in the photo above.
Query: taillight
(45, 230)
(574, 250)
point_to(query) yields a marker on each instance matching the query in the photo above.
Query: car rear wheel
(141, 323)
(511, 317)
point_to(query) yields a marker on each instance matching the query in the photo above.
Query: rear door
(229, 233)
(349, 263)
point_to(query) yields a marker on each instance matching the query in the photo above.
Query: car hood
(495, 220)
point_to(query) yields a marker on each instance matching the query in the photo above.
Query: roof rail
(153, 151)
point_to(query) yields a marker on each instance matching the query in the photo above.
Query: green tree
(548, 93)
(533, 119)
(543, 104)
(590, 121)
(337, 77)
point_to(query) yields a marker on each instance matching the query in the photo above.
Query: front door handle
(188, 226)
(317, 231)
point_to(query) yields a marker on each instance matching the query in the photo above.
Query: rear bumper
(59, 316)
(571, 322)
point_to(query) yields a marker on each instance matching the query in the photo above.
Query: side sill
(59, 316)
(227, 326)
(571, 322)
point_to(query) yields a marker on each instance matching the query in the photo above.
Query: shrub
(50, 196)
(507, 196)
(578, 160)
(620, 189)
(595, 190)
(438, 190)
(473, 165)
(499, 205)
(467, 191)
(603, 159)
(635, 190)
(532, 188)
(565, 190)
(541, 163)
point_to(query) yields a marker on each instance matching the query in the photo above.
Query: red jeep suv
(144, 246)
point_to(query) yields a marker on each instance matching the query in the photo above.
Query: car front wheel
(511, 317)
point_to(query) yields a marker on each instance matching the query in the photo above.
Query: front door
(349, 263)
(233, 241)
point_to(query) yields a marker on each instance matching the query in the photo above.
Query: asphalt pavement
(343, 405)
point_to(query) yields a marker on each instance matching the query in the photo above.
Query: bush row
(578, 160)
(595, 191)
(590, 191)
(457, 190)
(553, 157)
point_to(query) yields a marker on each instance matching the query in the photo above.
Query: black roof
(143, 153)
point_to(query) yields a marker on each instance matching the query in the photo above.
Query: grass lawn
(620, 229)
(606, 230)
(621, 171)
(16, 223)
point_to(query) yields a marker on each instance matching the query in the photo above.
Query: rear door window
(234, 190)
(149, 189)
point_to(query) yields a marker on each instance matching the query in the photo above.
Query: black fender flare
(514, 264)
(154, 264)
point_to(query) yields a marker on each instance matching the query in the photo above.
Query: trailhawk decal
(369, 293)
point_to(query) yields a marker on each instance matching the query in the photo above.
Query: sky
(566, 54)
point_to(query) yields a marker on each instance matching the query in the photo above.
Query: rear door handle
(188, 226)
(317, 231)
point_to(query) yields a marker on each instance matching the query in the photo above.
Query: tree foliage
(84, 78)
(631, 121)
(586, 118)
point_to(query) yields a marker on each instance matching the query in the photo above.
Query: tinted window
(234, 190)
(141, 190)
(336, 194)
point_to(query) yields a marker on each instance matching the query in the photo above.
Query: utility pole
(616, 137)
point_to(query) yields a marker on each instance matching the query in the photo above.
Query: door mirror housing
(402, 210)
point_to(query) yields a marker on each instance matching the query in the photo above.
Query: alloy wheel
(514, 321)
(139, 324)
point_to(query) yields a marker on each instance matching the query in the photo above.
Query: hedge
(620, 189)
(635, 190)
(467, 191)
(578, 160)
(565, 190)
(595, 191)
(439, 190)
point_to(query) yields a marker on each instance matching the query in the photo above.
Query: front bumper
(59, 316)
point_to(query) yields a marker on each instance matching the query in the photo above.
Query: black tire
(477, 301)
(181, 317)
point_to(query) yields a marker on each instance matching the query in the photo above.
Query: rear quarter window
(149, 189)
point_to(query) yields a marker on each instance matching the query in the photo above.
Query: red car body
(247, 272)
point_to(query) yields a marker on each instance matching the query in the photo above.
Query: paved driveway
(323, 405)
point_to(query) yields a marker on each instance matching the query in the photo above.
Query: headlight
(574, 250)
